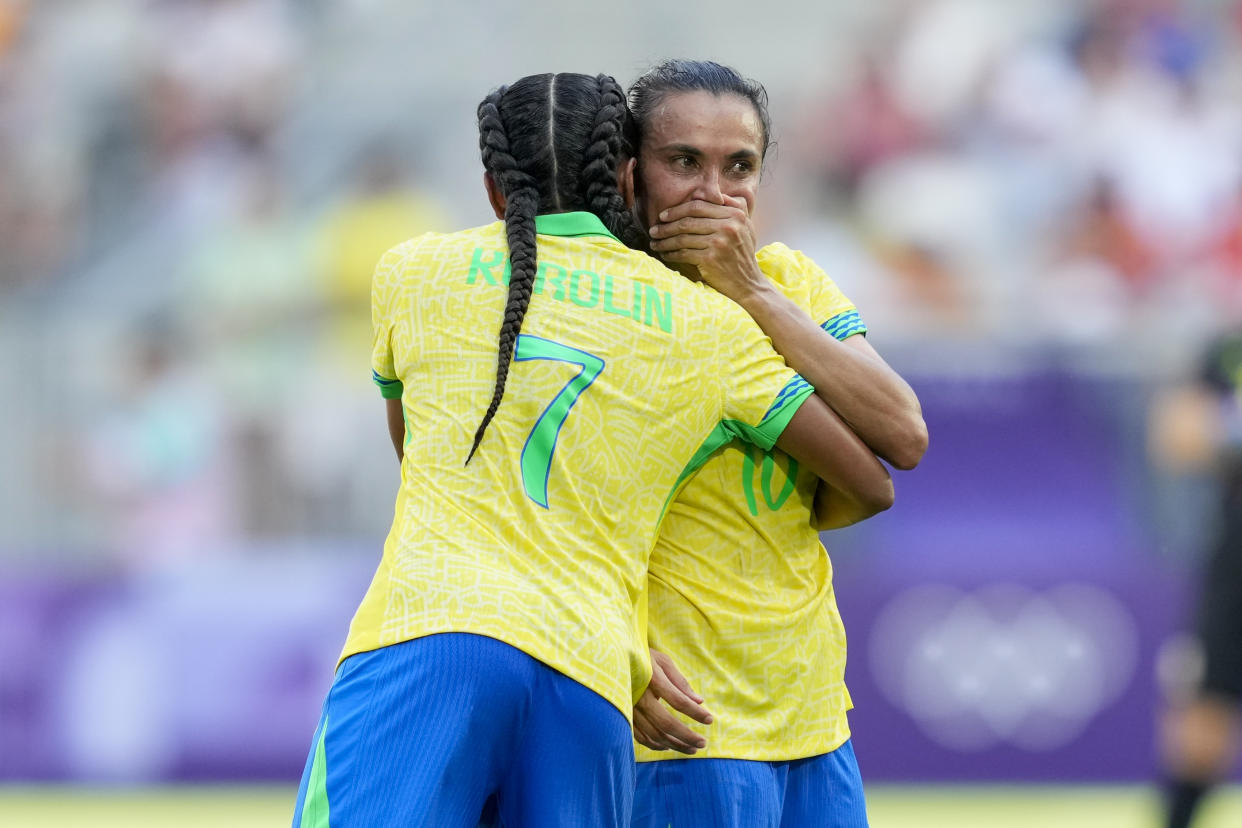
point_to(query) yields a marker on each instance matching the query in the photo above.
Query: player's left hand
(717, 239)
(654, 726)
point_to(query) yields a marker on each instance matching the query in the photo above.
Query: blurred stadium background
(1037, 205)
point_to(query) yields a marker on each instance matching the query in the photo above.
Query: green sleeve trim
(720, 436)
(390, 389)
(763, 435)
(769, 430)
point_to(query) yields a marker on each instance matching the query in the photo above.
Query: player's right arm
(882, 408)
(877, 403)
(796, 420)
(856, 485)
(833, 510)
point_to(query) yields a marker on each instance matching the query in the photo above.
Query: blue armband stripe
(845, 324)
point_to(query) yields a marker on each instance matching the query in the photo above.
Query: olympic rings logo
(1004, 665)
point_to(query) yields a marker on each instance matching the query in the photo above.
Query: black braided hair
(551, 143)
(673, 76)
(599, 174)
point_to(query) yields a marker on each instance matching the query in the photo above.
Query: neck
(690, 271)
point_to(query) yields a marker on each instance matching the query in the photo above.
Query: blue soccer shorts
(422, 733)
(822, 791)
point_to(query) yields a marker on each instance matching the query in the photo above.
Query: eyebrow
(695, 151)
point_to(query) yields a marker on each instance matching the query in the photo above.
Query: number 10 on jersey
(541, 443)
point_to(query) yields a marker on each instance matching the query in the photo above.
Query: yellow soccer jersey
(616, 391)
(741, 587)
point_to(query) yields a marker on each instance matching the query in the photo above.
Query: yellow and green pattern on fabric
(542, 540)
(643, 303)
(740, 590)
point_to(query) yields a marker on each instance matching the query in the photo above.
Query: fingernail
(652, 230)
(664, 216)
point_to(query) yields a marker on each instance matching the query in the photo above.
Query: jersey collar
(571, 224)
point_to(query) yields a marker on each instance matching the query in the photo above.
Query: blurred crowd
(979, 172)
(1072, 175)
(235, 366)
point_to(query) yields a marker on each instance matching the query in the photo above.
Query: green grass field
(953, 806)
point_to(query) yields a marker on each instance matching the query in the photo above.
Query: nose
(708, 188)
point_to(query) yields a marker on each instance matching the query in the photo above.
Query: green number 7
(540, 445)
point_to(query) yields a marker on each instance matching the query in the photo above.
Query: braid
(599, 175)
(550, 143)
(521, 204)
(493, 140)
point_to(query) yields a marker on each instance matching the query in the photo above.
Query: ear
(625, 181)
(494, 196)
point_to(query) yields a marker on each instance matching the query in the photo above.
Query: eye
(684, 162)
(741, 168)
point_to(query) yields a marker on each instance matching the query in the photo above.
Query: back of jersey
(622, 373)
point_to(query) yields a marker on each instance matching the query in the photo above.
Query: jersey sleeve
(829, 307)
(761, 392)
(384, 284)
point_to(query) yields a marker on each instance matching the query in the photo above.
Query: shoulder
(432, 244)
(611, 256)
(704, 316)
(791, 269)
(777, 254)
(485, 234)
(781, 262)
(411, 248)
(800, 278)
(621, 257)
(720, 318)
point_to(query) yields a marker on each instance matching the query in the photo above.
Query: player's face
(699, 146)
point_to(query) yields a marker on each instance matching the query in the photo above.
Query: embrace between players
(613, 478)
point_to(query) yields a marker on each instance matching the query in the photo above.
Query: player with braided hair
(741, 594)
(597, 183)
(497, 654)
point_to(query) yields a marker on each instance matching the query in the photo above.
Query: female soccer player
(740, 587)
(500, 646)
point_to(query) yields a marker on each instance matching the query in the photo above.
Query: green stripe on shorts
(315, 807)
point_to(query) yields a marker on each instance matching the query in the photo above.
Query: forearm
(876, 403)
(835, 510)
(819, 439)
(718, 241)
(396, 426)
